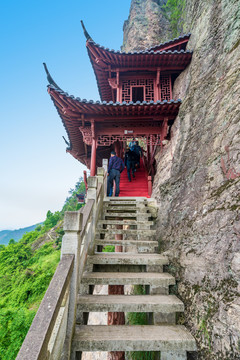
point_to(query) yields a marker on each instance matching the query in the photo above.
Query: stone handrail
(50, 335)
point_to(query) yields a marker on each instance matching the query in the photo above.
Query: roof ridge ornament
(50, 79)
(87, 36)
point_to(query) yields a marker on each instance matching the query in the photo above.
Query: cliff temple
(136, 101)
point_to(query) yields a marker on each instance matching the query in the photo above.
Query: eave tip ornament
(50, 79)
(87, 36)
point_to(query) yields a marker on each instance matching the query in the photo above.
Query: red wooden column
(117, 148)
(93, 157)
(94, 152)
(158, 85)
(150, 186)
(118, 88)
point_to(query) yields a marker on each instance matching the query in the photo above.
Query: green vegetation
(173, 11)
(109, 248)
(26, 268)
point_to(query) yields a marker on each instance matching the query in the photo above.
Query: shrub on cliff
(173, 11)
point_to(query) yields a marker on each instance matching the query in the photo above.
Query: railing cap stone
(72, 221)
(100, 171)
(92, 182)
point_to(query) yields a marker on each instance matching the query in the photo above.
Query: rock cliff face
(145, 25)
(197, 184)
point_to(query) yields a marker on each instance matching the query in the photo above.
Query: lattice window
(165, 87)
(148, 85)
(107, 140)
(149, 90)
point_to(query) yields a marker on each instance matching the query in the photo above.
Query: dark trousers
(138, 160)
(130, 166)
(113, 175)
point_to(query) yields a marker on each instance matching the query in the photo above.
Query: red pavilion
(136, 101)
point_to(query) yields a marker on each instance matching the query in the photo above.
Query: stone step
(128, 278)
(125, 208)
(122, 258)
(143, 233)
(130, 303)
(121, 202)
(150, 244)
(127, 215)
(133, 338)
(125, 222)
(129, 198)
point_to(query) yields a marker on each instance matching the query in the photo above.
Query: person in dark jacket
(130, 161)
(115, 167)
(138, 152)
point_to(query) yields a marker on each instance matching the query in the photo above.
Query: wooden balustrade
(50, 335)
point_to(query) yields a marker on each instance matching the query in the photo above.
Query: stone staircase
(138, 264)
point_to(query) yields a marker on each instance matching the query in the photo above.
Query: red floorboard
(137, 187)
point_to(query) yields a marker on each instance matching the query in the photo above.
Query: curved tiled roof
(171, 43)
(84, 106)
(71, 109)
(141, 52)
(101, 58)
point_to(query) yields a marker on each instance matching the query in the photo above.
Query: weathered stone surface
(127, 258)
(144, 244)
(125, 222)
(114, 278)
(133, 338)
(130, 303)
(199, 218)
(145, 26)
(141, 233)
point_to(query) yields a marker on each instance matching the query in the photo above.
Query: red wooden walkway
(137, 187)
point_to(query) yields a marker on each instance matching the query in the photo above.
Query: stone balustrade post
(71, 244)
(92, 182)
(100, 175)
(92, 195)
(105, 166)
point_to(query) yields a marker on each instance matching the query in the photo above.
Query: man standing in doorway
(138, 152)
(115, 167)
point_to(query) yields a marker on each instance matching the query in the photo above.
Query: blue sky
(36, 173)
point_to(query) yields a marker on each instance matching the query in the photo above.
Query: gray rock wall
(145, 25)
(197, 185)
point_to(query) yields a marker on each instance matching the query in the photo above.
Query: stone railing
(50, 335)
(148, 171)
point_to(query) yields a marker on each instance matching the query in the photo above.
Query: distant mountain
(6, 235)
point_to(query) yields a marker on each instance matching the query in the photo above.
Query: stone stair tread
(130, 303)
(122, 202)
(124, 208)
(128, 278)
(132, 338)
(105, 242)
(124, 222)
(127, 215)
(123, 198)
(127, 258)
(145, 232)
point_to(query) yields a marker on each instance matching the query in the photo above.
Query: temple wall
(198, 197)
